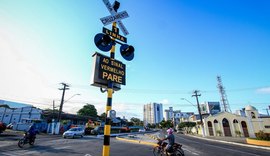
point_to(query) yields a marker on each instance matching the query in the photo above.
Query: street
(194, 146)
(49, 145)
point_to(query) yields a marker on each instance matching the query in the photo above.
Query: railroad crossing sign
(115, 17)
(114, 34)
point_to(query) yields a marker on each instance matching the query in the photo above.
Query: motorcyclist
(32, 131)
(171, 139)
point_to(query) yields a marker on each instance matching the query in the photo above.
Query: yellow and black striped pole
(107, 127)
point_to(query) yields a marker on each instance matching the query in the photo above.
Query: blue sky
(179, 45)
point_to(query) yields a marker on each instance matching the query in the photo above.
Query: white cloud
(164, 101)
(265, 90)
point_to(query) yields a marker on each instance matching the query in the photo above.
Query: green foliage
(136, 121)
(166, 124)
(152, 125)
(88, 110)
(238, 133)
(186, 124)
(102, 116)
(218, 132)
(262, 136)
(130, 124)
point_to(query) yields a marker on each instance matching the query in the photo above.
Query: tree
(187, 126)
(88, 110)
(136, 121)
(102, 116)
(166, 124)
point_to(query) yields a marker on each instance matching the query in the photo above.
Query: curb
(258, 142)
(137, 141)
(234, 143)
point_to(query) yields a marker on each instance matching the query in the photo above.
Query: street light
(61, 105)
(188, 102)
(71, 97)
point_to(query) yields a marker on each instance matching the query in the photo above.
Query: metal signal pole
(107, 127)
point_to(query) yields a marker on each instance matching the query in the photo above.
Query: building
(172, 115)
(186, 116)
(152, 113)
(21, 118)
(244, 124)
(169, 114)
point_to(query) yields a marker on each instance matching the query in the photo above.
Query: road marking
(185, 149)
(64, 147)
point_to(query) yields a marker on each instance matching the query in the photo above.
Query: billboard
(106, 69)
(214, 107)
(210, 108)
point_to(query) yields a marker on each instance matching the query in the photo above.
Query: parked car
(74, 132)
(142, 130)
(2, 127)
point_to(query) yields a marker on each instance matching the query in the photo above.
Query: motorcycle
(160, 150)
(26, 139)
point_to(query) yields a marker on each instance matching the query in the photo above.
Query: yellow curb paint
(138, 141)
(258, 142)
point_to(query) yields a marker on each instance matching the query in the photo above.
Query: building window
(267, 126)
(235, 121)
(253, 115)
(215, 121)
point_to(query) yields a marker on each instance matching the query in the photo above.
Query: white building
(169, 114)
(152, 113)
(234, 125)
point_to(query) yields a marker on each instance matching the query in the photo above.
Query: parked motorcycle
(26, 139)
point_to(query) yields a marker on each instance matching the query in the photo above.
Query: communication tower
(224, 100)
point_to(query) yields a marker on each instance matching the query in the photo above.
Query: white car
(141, 130)
(74, 132)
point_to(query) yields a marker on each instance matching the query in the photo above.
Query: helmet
(170, 131)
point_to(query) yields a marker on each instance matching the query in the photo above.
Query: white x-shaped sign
(115, 17)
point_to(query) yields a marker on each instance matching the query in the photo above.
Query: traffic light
(127, 52)
(103, 42)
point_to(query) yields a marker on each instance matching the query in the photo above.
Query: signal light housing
(127, 52)
(103, 42)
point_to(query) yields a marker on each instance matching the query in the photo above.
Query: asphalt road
(50, 145)
(202, 147)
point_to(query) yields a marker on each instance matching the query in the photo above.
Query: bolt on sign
(107, 69)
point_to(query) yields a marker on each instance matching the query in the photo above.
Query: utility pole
(62, 100)
(199, 109)
(53, 116)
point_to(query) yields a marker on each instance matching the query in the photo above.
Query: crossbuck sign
(115, 17)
